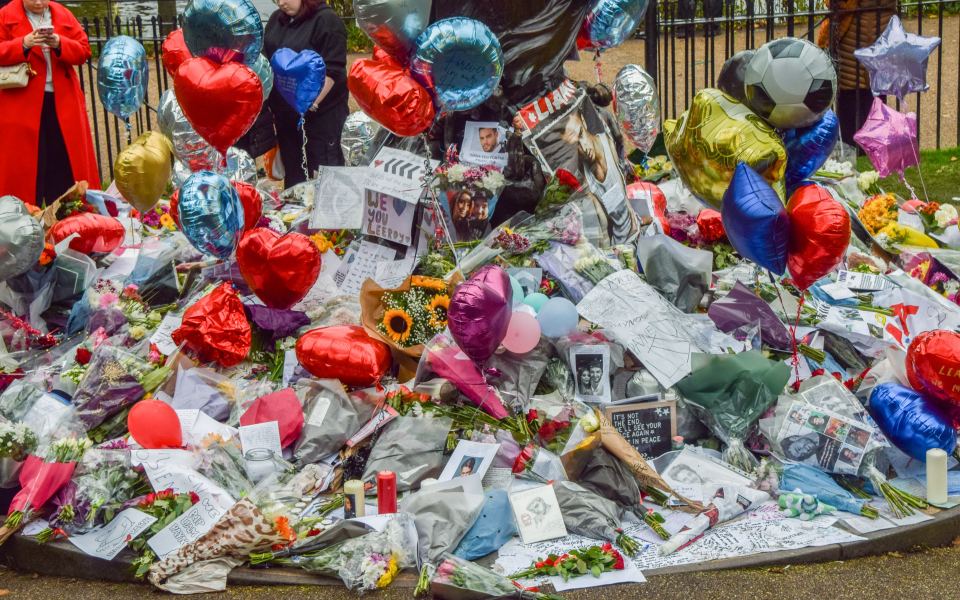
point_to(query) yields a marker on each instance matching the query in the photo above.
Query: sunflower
(430, 283)
(398, 324)
(438, 311)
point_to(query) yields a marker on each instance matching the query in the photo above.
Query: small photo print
(858, 437)
(591, 368)
(817, 421)
(484, 143)
(469, 459)
(850, 456)
(837, 429)
(349, 506)
(468, 466)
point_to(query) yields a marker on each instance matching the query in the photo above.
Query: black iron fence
(683, 44)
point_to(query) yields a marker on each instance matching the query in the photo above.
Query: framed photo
(469, 459)
(591, 371)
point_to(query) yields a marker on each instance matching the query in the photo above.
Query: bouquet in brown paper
(407, 317)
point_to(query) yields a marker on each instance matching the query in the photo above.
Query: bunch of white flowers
(16, 441)
(945, 215)
(455, 173)
(493, 182)
(867, 181)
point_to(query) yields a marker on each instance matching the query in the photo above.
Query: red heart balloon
(221, 101)
(216, 328)
(174, 51)
(819, 234)
(390, 96)
(154, 424)
(343, 352)
(280, 269)
(97, 233)
(249, 197)
(933, 366)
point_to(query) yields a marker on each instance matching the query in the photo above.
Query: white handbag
(15, 76)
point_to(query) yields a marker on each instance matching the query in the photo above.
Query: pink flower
(109, 299)
(446, 569)
(131, 290)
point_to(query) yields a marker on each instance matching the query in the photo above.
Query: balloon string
(923, 184)
(795, 360)
(598, 66)
(427, 181)
(303, 148)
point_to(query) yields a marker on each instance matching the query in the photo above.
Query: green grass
(941, 172)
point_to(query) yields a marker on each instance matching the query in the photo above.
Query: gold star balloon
(712, 136)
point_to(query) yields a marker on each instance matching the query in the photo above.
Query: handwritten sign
(338, 201)
(163, 336)
(389, 218)
(648, 426)
(107, 541)
(188, 527)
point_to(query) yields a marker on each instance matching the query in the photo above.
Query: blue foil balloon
(910, 421)
(211, 215)
(755, 220)
(610, 22)
(122, 75)
(460, 61)
(218, 28)
(809, 148)
(298, 76)
(262, 68)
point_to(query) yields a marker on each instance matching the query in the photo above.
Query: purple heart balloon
(480, 312)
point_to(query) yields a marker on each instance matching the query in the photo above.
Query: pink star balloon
(889, 138)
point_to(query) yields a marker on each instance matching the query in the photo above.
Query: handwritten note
(107, 541)
(163, 336)
(338, 201)
(262, 436)
(360, 264)
(538, 514)
(187, 528)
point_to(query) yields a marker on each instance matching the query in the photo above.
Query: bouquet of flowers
(104, 481)
(114, 379)
(222, 462)
(337, 240)
(591, 515)
(110, 306)
(159, 219)
(165, 506)
(413, 317)
(17, 441)
(364, 563)
(40, 479)
(455, 577)
(594, 560)
(877, 212)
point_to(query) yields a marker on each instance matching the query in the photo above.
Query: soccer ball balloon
(790, 82)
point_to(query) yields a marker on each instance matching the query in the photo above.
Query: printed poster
(484, 143)
(814, 436)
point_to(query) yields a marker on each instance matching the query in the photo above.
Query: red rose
(83, 356)
(566, 178)
(532, 415)
(194, 498)
(617, 561)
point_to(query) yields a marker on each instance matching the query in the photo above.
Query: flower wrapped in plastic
(111, 306)
(165, 506)
(366, 563)
(443, 357)
(114, 380)
(814, 482)
(459, 579)
(592, 516)
(594, 560)
(222, 462)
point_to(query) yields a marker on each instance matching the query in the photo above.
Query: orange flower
(282, 525)
(431, 283)
(878, 211)
(398, 324)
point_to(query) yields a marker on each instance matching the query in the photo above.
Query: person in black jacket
(301, 25)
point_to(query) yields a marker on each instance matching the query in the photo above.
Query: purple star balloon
(897, 61)
(889, 138)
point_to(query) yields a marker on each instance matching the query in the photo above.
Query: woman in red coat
(46, 144)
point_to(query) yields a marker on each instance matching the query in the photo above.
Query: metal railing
(684, 54)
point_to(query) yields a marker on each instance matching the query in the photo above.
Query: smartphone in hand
(45, 31)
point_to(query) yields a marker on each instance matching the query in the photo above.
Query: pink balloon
(523, 333)
(889, 138)
(480, 312)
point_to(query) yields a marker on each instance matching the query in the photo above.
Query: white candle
(353, 499)
(936, 476)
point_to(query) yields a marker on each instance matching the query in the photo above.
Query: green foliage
(941, 173)
(357, 40)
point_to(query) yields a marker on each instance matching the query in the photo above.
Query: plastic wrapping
(442, 519)
(742, 307)
(411, 447)
(331, 417)
(115, 379)
(681, 274)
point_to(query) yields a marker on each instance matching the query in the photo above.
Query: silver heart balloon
(264, 71)
(637, 105)
(240, 167)
(393, 24)
(188, 146)
(357, 137)
(21, 238)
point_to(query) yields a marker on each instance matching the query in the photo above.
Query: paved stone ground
(922, 575)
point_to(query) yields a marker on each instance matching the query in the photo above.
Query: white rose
(493, 181)
(945, 214)
(455, 173)
(866, 180)
(951, 287)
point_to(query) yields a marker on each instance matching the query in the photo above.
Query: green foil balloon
(712, 136)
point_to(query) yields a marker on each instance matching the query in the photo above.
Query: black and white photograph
(591, 369)
(484, 143)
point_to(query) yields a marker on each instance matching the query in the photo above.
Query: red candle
(386, 492)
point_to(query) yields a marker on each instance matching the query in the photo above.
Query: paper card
(162, 337)
(469, 458)
(107, 541)
(383, 416)
(290, 364)
(862, 282)
(837, 291)
(484, 143)
(399, 174)
(538, 514)
(160, 460)
(187, 528)
(262, 436)
(691, 472)
(819, 437)
(338, 201)
(359, 264)
(392, 274)
(389, 218)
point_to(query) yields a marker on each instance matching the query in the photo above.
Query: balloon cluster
(454, 64)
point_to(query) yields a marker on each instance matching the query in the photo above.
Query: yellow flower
(321, 242)
(878, 211)
(138, 332)
(167, 221)
(430, 283)
(388, 576)
(438, 311)
(227, 388)
(398, 324)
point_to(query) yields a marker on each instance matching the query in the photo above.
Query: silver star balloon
(897, 61)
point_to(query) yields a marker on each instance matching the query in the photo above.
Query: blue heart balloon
(211, 215)
(460, 61)
(755, 220)
(808, 148)
(298, 76)
(218, 28)
(910, 421)
(122, 75)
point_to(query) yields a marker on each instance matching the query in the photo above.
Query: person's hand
(52, 41)
(32, 39)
